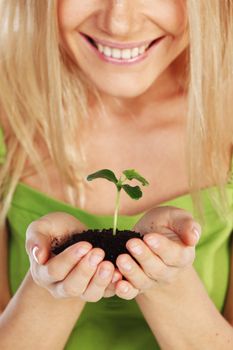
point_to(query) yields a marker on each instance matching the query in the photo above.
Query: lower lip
(122, 62)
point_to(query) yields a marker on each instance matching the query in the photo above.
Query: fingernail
(35, 253)
(152, 241)
(196, 233)
(136, 249)
(126, 265)
(124, 288)
(82, 251)
(95, 259)
(115, 278)
(104, 273)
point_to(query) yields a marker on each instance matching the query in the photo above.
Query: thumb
(42, 232)
(40, 250)
(38, 246)
(184, 225)
(175, 223)
(188, 230)
(193, 237)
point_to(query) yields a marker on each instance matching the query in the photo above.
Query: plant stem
(116, 212)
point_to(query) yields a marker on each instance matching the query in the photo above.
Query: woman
(87, 85)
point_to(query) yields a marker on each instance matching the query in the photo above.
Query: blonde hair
(45, 96)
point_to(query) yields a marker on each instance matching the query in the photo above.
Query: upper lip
(121, 45)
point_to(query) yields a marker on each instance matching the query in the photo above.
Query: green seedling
(133, 191)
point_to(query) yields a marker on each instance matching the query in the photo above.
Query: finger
(58, 267)
(110, 290)
(186, 228)
(78, 279)
(133, 272)
(37, 246)
(125, 290)
(95, 290)
(40, 233)
(172, 253)
(150, 264)
(116, 276)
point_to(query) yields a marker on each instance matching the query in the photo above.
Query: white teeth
(100, 47)
(142, 49)
(135, 52)
(125, 54)
(116, 53)
(107, 51)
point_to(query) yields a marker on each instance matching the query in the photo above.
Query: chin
(127, 90)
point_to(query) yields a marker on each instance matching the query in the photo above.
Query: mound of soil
(113, 245)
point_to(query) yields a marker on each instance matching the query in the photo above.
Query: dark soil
(112, 245)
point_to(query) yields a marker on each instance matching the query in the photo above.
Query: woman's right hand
(75, 272)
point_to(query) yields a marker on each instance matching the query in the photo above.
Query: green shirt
(114, 323)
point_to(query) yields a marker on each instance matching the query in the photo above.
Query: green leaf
(133, 191)
(132, 174)
(105, 174)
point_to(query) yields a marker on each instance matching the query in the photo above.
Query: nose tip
(120, 18)
(118, 25)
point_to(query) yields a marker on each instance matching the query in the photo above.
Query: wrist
(46, 297)
(171, 289)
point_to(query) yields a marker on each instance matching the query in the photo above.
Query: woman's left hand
(168, 247)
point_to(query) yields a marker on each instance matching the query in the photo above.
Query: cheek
(72, 13)
(171, 15)
(180, 17)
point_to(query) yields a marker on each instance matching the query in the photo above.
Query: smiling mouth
(119, 53)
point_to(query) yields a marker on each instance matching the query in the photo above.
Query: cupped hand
(168, 248)
(79, 271)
